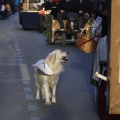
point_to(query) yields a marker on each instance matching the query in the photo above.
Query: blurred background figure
(12, 5)
(2, 10)
(38, 5)
(48, 5)
(8, 8)
(16, 3)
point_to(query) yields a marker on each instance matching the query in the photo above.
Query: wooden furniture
(56, 26)
(113, 96)
(29, 16)
(104, 115)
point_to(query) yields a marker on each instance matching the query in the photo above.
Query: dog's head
(54, 60)
(58, 56)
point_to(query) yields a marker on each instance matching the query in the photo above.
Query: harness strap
(40, 72)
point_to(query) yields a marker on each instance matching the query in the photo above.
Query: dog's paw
(48, 103)
(53, 100)
(37, 99)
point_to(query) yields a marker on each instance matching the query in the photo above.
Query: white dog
(47, 75)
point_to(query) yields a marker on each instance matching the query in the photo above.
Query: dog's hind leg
(54, 89)
(43, 93)
(46, 91)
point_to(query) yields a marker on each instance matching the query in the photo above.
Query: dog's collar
(43, 67)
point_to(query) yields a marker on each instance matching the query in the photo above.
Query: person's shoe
(81, 28)
(78, 34)
(13, 13)
(3, 18)
(62, 29)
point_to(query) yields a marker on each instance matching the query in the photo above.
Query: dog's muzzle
(64, 58)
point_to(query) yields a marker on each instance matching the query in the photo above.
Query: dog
(47, 73)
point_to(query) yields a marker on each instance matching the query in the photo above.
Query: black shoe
(13, 13)
(3, 18)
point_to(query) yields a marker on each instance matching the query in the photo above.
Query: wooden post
(27, 5)
(113, 98)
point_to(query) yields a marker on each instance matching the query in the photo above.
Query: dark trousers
(60, 17)
(12, 8)
(81, 20)
(3, 14)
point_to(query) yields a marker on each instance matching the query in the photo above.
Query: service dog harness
(42, 68)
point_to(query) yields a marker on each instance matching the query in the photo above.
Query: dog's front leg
(54, 89)
(37, 94)
(37, 90)
(46, 91)
(54, 94)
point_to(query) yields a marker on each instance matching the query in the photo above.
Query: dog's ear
(52, 58)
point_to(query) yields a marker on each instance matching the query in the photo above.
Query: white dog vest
(41, 65)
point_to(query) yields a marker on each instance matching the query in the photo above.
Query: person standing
(12, 5)
(8, 8)
(16, 3)
(2, 10)
(101, 50)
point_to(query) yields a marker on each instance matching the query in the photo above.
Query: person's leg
(84, 20)
(4, 15)
(16, 8)
(13, 8)
(79, 22)
(60, 19)
(0, 15)
(8, 10)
